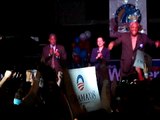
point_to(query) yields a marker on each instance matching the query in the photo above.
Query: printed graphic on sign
(125, 14)
(85, 87)
(80, 82)
(122, 12)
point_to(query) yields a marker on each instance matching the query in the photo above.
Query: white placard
(85, 86)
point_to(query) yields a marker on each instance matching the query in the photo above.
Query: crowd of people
(43, 89)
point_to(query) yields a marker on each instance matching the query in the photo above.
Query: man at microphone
(54, 55)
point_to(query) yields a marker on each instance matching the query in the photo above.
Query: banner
(84, 83)
(122, 12)
(114, 69)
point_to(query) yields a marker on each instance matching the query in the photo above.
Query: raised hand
(7, 74)
(111, 45)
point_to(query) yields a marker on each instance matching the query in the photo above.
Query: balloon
(83, 54)
(82, 36)
(88, 34)
(77, 40)
(76, 50)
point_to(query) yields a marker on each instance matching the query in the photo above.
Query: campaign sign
(84, 83)
(114, 68)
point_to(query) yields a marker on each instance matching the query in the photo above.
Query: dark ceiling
(40, 16)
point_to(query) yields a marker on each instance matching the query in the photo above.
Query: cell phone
(17, 101)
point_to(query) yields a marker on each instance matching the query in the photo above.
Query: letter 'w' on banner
(84, 83)
(122, 12)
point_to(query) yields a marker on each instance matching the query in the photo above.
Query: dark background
(67, 18)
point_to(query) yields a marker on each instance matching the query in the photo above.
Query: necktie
(53, 60)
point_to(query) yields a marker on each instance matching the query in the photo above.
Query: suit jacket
(128, 54)
(98, 62)
(59, 62)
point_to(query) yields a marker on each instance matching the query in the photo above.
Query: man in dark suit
(131, 42)
(55, 56)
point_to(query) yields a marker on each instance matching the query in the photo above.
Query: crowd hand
(60, 75)
(32, 76)
(145, 71)
(29, 76)
(7, 75)
(36, 79)
(16, 75)
(37, 76)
